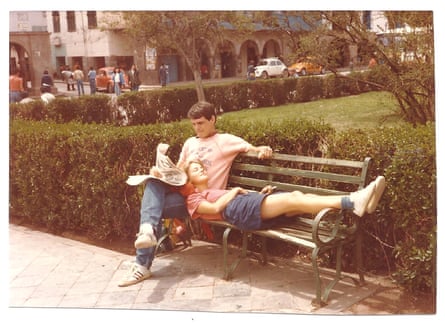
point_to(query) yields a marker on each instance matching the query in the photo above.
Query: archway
(19, 61)
(249, 52)
(227, 59)
(271, 49)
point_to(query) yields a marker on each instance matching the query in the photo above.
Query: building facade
(29, 47)
(95, 38)
(55, 40)
(78, 38)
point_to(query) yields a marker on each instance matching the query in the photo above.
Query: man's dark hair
(202, 109)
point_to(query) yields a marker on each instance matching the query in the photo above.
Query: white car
(271, 67)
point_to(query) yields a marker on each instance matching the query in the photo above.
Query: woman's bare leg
(294, 203)
(297, 203)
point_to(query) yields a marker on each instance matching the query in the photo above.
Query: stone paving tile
(86, 287)
(111, 299)
(193, 293)
(237, 304)
(44, 301)
(19, 295)
(232, 289)
(155, 296)
(80, 300)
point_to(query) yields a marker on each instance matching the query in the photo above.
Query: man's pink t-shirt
(216, 153)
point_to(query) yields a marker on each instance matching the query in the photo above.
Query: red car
(104, 81)
(306, 66)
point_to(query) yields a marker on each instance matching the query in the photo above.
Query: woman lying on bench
(247, 210)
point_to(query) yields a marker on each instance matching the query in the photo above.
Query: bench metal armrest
(332, 230)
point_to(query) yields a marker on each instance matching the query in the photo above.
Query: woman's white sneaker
(361, 199)
(375, 198)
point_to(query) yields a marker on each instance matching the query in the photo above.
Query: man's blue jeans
(92, 86)
(158, 202)
(80, 87)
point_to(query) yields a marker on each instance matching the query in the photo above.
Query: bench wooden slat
(352, 179)
(259, 183)
(311, 160)
(278, 234)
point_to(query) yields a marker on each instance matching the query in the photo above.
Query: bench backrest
(293, 172)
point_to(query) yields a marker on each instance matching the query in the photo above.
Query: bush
(72, 176)
(403, 229)
(171, 104)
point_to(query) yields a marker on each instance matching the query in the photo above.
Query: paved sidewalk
(48, 271)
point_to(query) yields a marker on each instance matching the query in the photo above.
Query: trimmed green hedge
(401, 235)
(72, 177)
(171, 104)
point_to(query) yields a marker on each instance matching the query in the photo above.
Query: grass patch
(368, 110)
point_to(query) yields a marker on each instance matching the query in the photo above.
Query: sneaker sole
(133, 282)
(144, 244)
(378, 192)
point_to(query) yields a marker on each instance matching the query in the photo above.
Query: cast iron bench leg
(228, 270)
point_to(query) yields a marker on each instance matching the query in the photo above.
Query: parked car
(104, 81)
(306, 66)
(271, 67)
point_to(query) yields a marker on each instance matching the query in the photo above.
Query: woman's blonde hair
(187, 164)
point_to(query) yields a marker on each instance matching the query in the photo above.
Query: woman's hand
(268, 189)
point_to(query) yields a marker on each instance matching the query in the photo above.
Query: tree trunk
(199, 87)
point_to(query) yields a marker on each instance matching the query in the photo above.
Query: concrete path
(48, 271)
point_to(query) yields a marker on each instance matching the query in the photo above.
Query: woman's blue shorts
(244, 211)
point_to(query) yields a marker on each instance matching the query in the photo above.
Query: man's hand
(264, 152)
(155, 172)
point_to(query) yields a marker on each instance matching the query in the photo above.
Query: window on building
(56, 21)
(92, 19)
(71, 21)
(367, 19)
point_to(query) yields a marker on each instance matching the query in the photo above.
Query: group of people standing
(77, 78)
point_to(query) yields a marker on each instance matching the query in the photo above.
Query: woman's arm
(206, 207)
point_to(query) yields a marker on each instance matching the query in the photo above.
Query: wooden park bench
(328, 230)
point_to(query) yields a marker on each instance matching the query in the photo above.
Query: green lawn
(366, 110)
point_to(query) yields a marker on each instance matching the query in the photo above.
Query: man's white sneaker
(146, 237)
(375, 198)
(361, 199)
(135, 274)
